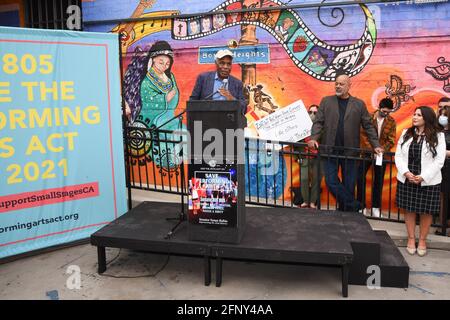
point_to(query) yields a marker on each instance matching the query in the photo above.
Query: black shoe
(356, 207)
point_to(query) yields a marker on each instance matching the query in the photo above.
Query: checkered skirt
(416, 198)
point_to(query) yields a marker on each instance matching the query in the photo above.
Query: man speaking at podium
(220, 85)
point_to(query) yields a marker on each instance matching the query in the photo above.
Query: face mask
(382, 114)
(443, 121)
(312, 116)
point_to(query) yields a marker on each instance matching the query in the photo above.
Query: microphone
(224, 86)
(225, 83)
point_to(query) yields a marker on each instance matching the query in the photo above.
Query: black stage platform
(278, 235)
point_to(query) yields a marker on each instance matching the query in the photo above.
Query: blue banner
(258, 54)
(62, 173)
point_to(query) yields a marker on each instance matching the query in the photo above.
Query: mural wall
(400, 51)
(11, 13)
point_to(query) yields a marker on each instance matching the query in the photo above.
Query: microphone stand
(182, 215)
(224, 86)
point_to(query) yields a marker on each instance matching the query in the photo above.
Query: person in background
(419, 158)
(443, 102)
(386, 130)
(310, 177)
(442, 116)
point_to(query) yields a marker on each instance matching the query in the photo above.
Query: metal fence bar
(272, 163)
(265, 175)
(282, 177)
(247, 165)
(319, 182)
(291, 149)
(167, 161)
(390, 188)
(257, 176)
(328, 194)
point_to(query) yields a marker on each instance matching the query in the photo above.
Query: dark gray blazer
(204, 87)
(356, 115)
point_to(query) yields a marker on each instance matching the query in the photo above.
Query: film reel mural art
(313, 56)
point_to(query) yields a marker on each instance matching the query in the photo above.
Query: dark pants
(344, 191)
(310, 178)
(377, 184)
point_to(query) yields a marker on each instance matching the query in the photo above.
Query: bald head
(342, 86)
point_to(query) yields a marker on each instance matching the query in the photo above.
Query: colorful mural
(388, 50)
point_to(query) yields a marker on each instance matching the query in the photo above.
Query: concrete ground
(140, 275)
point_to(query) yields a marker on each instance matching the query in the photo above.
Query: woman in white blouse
(419, 157)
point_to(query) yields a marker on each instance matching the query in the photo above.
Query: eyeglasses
(312, 112)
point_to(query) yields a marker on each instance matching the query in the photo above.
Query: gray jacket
(356, 115)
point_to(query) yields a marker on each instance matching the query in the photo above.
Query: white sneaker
(376, 212)
(366, 212)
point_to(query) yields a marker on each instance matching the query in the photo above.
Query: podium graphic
(216, 201)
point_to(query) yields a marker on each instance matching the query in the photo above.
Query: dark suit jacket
(204, 87)
(356, 115)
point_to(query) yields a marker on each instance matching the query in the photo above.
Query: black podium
(216, 177)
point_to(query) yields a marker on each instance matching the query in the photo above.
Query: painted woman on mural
(151, 96)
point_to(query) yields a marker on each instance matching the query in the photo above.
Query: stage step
(374, 248)
(393, 266)
(365, 245)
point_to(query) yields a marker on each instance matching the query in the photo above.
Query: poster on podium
(213, 195)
